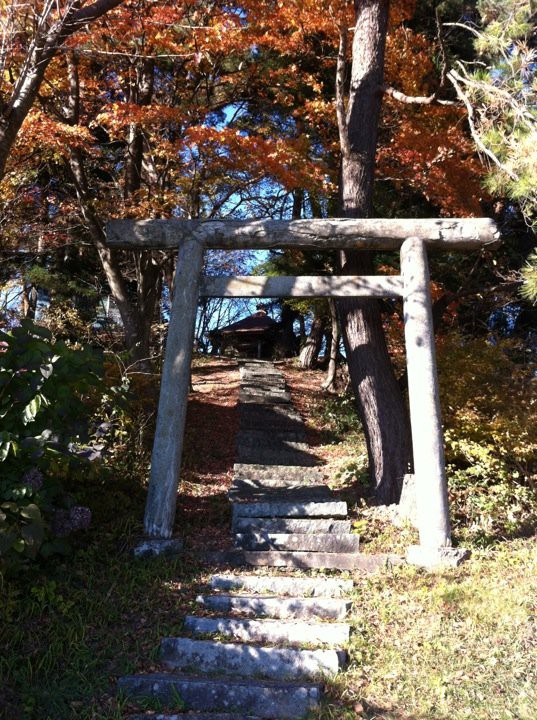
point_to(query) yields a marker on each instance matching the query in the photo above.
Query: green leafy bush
(490, 419)
(45, 387)
(337, 414)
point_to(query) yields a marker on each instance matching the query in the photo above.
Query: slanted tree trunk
(310, 352)
(380, 401)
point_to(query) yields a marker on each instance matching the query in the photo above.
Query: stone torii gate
(411, 237)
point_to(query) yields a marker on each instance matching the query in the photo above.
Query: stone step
(277, 483)
(208, 656)
(263, 426)
(299, 560)
(259, 471)
(270, 444)
(302, 494)
(262, 381)
(153, 547)
(319, 542)
(283, 585)
(269, 414)
(265, 399)
(277, 607)
(323, 525)
(275, 457)
(262, 699)
(328, 509)
(270, 631)
(264, 389)
(249, 436)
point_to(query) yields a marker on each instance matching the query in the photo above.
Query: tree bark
(380, 402)
(331, 373)
(288, 338)
(310, 351)
(148, 271)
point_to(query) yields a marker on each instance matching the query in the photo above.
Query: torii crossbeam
(411, 237)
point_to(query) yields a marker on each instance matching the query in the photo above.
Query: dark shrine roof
(259, 322)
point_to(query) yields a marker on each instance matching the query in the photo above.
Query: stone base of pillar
(436, 557)
(153, 547)
(407, 509)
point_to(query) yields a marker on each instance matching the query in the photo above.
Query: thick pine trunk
(380, 402)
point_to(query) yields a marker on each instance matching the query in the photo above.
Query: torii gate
(411, 237)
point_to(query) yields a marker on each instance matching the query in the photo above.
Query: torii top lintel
(450, 234)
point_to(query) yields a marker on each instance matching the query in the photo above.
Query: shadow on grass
(68, 635)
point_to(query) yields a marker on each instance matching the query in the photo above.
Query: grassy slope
(458, 644)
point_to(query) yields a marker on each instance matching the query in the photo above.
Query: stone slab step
(264, 390)
(269, 414)
(277, 483)
(260, 370)
(283, 525)
(282, 425)
(262, 699)
(264, 399)
(318, 542)
(328, 509)
(270, 631)
(275, 457)
(295, 495)
(257, 418)
(249, 378)
(271, 444)
(261, 383)
(283, 585)
(208, 656)
(250, 436)
(277, 607)
(299, 560)
(259, 471)
(153, 547)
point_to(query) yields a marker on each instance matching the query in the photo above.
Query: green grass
(68, 635)
(457, 645)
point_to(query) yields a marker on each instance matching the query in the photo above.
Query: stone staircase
(278, 637)
(263, 643)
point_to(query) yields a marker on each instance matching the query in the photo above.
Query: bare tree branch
(415, 99)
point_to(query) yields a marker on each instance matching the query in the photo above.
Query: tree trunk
(288, 338)
(137, 316)
(310, 351)
(107, 256)
(380, 401)
(330, 380)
